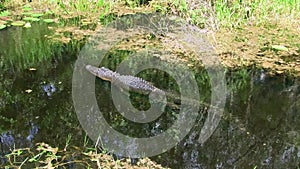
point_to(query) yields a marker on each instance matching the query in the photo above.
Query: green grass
(84, 5)
(234, 13)
(204, 13)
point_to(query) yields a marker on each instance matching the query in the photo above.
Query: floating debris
(49, 89)
(27, 25)
(48, 20)
(28, 91)
(36, 15)
(279, 47)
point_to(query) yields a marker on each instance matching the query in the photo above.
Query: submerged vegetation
(253, 33)
(43, 155)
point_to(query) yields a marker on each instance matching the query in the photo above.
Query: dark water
(260, 126)
(31, 103)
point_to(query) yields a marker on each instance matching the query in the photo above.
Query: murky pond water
(260, 126)
(33, 87)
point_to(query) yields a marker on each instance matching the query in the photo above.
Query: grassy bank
(213, 14)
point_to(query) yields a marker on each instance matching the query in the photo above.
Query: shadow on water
(260, 126)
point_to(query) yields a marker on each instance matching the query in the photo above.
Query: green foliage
(183, 6)
(233, 13)
(84, 6)
(25, 48)
(136, 3)
(1, 7)
(228, 13)
(4, 13)
(62, 6)
(238, 79)
(131, 3)
(160, 8)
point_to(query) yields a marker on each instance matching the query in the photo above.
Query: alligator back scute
(133, 83)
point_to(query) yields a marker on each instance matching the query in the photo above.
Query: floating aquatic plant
(36, 15)
(48, 20)
(30, 19)
(18, 23)
(2, 26)
(27, 7)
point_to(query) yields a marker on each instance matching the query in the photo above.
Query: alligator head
(103, 73)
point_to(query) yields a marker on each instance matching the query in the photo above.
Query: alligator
(135, 84)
